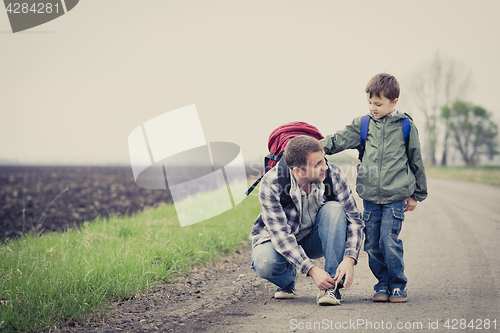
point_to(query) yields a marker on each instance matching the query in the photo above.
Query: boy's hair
(383, 84)
(297, 150)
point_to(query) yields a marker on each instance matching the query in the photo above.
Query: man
(285, 239)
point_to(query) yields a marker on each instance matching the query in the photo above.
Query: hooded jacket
(387, 173)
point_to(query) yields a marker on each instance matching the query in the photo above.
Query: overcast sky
(73, 89)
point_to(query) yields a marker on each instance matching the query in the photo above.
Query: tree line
(438, 90)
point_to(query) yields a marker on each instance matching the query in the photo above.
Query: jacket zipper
(380, 161)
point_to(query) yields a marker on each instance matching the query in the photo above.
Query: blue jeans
(327, 239)
(385, 251)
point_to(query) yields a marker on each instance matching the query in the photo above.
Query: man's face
(315, 170)
(380, 106)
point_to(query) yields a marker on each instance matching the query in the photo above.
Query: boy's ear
(394, 102)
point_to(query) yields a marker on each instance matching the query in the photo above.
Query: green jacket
(387, 174)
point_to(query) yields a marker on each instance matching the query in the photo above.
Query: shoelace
(396, 292)
(330, 292)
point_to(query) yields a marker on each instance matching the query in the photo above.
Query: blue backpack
(365, 121)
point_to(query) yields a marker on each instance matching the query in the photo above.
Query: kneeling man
(310, 226)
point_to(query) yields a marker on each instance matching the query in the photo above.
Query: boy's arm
(417, 165)
(348, 138)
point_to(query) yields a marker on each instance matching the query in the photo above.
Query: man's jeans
(326, 239)
(385, 251)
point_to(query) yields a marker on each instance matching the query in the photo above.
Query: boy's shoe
(381, 296)
(398, 295)
(329, 297)
(282, 294)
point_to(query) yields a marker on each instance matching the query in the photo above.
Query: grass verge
(59, 276)
(480, 174)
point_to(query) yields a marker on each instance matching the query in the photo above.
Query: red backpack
(278, 140)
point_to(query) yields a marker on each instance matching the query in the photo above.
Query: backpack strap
(271, 157)
(405, 124)
(330, 195)
(284, 182)
(365, 121)
(254, 185)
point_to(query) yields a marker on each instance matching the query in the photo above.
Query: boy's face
(380, 106)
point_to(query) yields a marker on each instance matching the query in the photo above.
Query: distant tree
(472, 130)
(436, 83)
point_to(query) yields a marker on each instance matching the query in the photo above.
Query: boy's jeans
(385, 250)
(326, 239)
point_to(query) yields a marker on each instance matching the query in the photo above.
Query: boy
(391, 180)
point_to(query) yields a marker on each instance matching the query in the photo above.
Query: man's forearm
(350, 259)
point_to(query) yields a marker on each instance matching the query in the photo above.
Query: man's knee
(334, 204)
(332, 212)
(266, 268)
(263, 267)
(266, 261)
(333, 208)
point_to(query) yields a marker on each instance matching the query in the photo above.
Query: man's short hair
(297, 150)
(383, 84)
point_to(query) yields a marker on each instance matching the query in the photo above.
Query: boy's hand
(410, 204)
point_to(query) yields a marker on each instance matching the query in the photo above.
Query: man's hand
(410, 204)
(321, 278)
(346, 268)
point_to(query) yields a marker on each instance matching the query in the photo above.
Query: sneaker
(282, 294)
(329, 297)
(381, 296)
(398, 295)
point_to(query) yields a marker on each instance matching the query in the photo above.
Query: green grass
(480, 174)
(49, 279)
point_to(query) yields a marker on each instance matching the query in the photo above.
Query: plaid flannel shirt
(281, 225)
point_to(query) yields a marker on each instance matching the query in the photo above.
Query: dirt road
(452, 257)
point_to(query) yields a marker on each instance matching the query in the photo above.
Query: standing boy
(391, 180)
